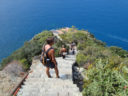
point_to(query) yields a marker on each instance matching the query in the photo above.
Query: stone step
(38, 84)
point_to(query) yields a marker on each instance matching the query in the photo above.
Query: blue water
(20, 20)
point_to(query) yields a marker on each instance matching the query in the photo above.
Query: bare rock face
(7, 83)
(10, 76)
(13, 69)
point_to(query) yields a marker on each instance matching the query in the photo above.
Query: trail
(38, 84)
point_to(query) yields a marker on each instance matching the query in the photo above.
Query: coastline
(60, 31)
(123, 40)
(90, 50)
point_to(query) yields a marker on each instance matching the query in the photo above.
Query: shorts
(50, 64)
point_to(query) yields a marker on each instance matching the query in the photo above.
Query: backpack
(44, 57)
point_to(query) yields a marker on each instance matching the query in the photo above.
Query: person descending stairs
(38, 84)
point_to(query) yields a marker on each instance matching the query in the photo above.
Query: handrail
(16, 89)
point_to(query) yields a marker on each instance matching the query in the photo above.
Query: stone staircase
(38, 84)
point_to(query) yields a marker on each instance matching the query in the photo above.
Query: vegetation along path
(38, 84)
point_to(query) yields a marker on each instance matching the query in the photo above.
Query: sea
(20, 20)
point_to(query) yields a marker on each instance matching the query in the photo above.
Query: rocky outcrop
(14, 68)
(7, 83)
(10, 76)
(78, 76)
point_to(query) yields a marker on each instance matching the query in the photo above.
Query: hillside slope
(106, 68)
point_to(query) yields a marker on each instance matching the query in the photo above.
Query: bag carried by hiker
(44, 57)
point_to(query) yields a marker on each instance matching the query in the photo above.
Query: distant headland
(106, 67)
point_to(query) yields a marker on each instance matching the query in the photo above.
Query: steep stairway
(38, 84)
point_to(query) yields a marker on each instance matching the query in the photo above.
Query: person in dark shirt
(51, 57)
(63, 52)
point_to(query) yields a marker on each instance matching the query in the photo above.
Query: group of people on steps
(50, 55)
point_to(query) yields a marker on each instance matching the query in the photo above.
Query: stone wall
(78, 76)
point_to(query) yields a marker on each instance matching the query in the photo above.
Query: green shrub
(114, 62)
(32, 48)
(74, 36)
(100, 43)
(25, 64)
(81, 59)
(102, 82)
(119, 51)
(5, 61)
(81, 46)
(107, 72)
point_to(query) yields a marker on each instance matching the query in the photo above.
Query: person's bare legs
(47, 72)
(57, 72)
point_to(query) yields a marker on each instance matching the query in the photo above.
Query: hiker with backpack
(48, 57)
